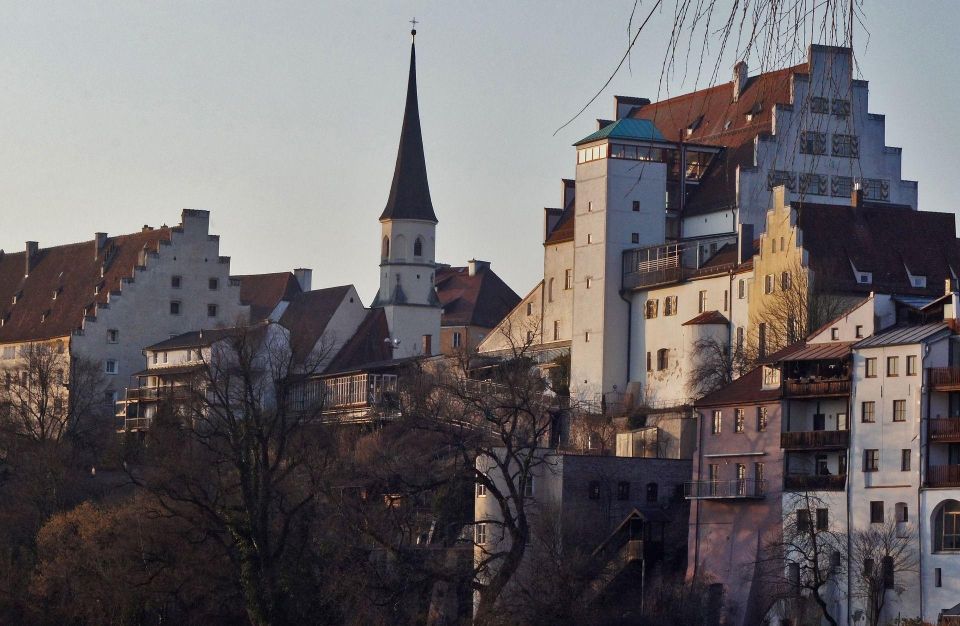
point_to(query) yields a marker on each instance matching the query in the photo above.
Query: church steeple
(410, 194)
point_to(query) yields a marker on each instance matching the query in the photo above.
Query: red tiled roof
(748, 389)
(308, 314)
(73, 272)
(707, 317)
(262, 292)
(479, 300)
(368, 344)
(563, 231)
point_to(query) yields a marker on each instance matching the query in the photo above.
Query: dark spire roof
(409, 193)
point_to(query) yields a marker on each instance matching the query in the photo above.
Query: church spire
(409, 193)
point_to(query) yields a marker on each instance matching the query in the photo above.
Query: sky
(282, 118)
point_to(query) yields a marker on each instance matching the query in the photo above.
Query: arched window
(550, 291)
(946, 527)
(418, 247)
(385, 248)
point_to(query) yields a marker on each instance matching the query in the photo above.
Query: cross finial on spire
(413, 31)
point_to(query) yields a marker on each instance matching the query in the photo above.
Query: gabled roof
(262, 292)
(195, 339)
(409, 193)
(308, 314)
(903, 335)
(748, 389)
(65, 283)
(626, 128)
(479, 300)
(812, 352)
(368, 344)
(706, 318)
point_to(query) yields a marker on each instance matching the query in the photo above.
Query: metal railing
(943, 476)
(815, 439)
(667, 263)
(815, 482)
(944, 377)
(744, 488)
(944, 429)
(794, 389)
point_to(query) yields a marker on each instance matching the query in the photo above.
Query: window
(702, 301)
(176, 281)
(550, 290)
(385, 248)
(481, 534)
(813, 142)
(594, 489)
(840, 107)
(819, 104)
(113, 335)
(717, 422)
(213, 284)
(902, 512)
(876, 512)
(651, 309)
(589, 282)
(589, 207)
(636, 206)
(586, 337)
(846, 146)
(775, 178)
(738, 420)
(758, 477)
(556, 330)
(663, 358)
(739, 339)
(835, 334)
(155, 357)
(868, 411)
(623, 490)
(762, 339)
(163, 357)
(9, 352)
(946, 527)
(773, 244)
(937, 577)
(859, 331)
(653, 492)
(726, 300)
(634, 237)
(893, 364)
(761, 418)
(899, 410)
(670, 305)
(528, 487)
(649, 361)
(871, 460)
(768, 284)
(888, 576)
(786, 281)
(841, 186)
(529, 308)
(741, 479)
(741, 289)
(823, 519)
(456, 339)
(589, 238)
(878, 189)
(803, 520)
(418, 247)
(911, 365)
(568, 279)
(110, 366)
(870, 366)
(814, 184)
(481, 490)
(211, 310)
(174, 307)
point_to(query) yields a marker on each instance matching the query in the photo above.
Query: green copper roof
(627, 128)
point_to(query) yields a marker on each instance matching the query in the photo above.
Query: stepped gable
(479, 300)
(263, 292)
(65, 284)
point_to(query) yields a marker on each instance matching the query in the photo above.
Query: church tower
(408, 241)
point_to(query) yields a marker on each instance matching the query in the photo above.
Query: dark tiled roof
(308, 314)
(479, 300)
(368, 344)
(262, 292)
(817, 351)
(707, 317)
(73, 272)
(194, 339)
(883, 240)
(745, 390)
(902, 335)
(409, 193)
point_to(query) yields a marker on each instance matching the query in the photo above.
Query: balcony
(815, 440)
(946, 430)
(743, 489)
(943, 476)
(814, 482)
(669, 263)
(348, 398)
(816, 388)
(944, 378)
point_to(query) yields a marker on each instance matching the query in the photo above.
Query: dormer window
(754, 111)
(865, 278)
(17, 296)
(919, 281)
(694, 125)
(56, 292)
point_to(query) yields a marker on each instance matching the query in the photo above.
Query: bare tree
(881, 555)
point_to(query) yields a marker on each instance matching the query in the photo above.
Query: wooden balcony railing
(743, 489)
(944, 429)
(793, 389)
(814, 482)
(814, 439)
(943, 476)
(945, 378)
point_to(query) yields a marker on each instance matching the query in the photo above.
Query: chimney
(856, 196)
(32, 248)
(474, 266)
(428, 345)
(745, 243)
(739, 79)
(304, 276)
(99, 241)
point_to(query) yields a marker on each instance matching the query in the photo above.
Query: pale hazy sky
(282, 119)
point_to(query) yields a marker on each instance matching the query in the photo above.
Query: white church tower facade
(408, 242)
